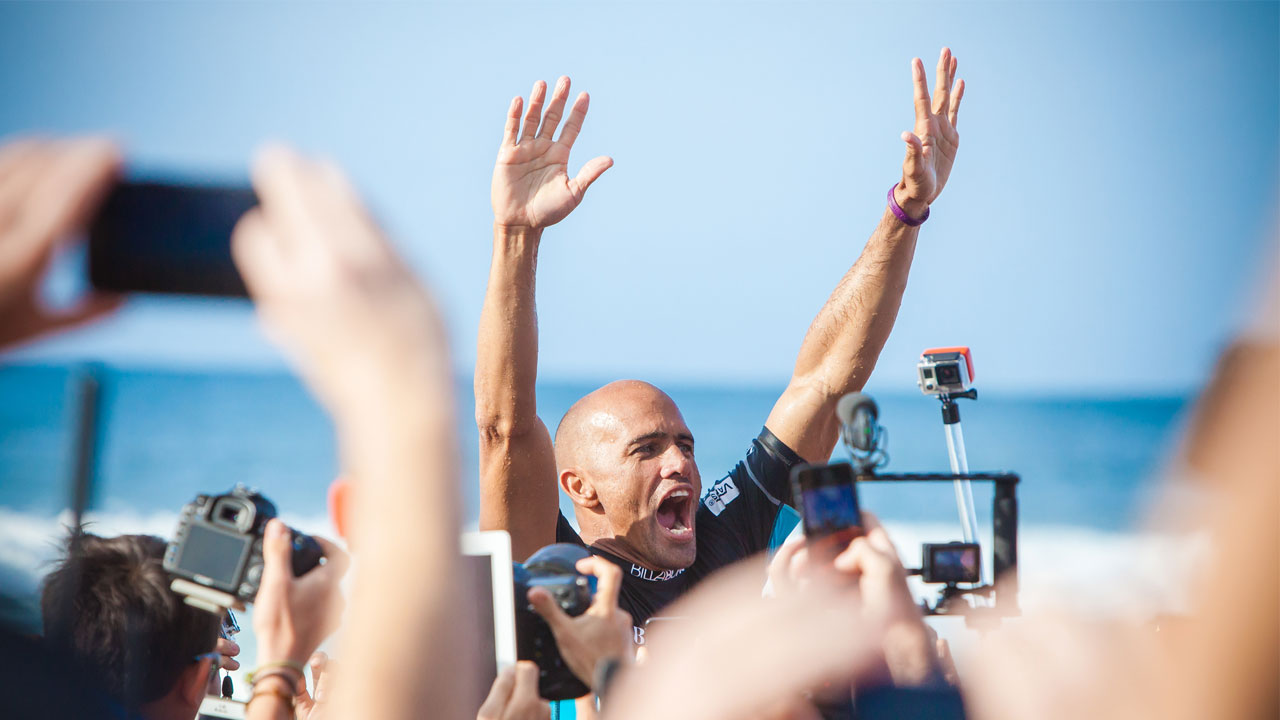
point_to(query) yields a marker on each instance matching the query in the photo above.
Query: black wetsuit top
(735, 519)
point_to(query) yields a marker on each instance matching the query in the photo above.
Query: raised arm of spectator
(367, 340)
(845, 339)
(531, 190)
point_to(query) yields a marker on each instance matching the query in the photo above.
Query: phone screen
(168, 238)
(827, 498)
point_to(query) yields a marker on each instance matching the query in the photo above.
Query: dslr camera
(553, 568)
(215, 556)
(945, 371)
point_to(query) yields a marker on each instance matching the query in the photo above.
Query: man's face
(641, 465)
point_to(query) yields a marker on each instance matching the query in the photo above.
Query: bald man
(623, 454)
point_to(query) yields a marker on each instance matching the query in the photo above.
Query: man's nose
(675, 462)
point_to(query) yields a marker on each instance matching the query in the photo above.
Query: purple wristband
(902, 214)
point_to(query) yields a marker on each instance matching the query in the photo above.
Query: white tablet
(487, 556)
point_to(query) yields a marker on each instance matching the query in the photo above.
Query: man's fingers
(921, 89)
(546, 606)
(277, 554)
(22, 162)
(319, 663)
(955, 104)
(577, 115)
(534, 113)
(942, 83)
(915, 154)
(65, 195)
(336, 560)
(609, 578)
(258, 254)
(780, 567)
(588, 174)
(556, 109)
(228, 663)
(279, 179)
(525, 702)
(226, 647)
(499, 694)
(513, 121)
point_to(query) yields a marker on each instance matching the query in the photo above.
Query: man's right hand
(531, 185)
(293, 615)
(603, 632)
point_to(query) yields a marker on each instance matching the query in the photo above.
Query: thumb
(588, 174)
(915, 152)
(277, 554)
(545, 606)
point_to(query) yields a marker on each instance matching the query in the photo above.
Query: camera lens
(949, 373)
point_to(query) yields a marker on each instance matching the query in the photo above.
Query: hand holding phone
(48, 191)
(828, 501)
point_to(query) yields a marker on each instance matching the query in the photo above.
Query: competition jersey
(735, 519)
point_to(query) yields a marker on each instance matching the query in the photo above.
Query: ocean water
(1090, 467)
(1087, 462)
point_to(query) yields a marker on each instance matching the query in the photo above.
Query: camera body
(951, 563)
(218, 545)
(553, 568)
(945, 371)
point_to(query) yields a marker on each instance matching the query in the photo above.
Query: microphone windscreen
(851, 403)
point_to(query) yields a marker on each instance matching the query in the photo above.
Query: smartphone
(166, 237)
(827, 497)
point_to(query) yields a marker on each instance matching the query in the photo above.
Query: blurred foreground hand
(332, 292)
(49, 189)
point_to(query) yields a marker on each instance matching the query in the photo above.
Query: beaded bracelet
(277, 692)
(275, 668)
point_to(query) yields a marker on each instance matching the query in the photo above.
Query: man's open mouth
(675, 513)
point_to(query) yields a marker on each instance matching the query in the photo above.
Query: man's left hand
(931, 149)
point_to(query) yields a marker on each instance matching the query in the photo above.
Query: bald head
(605, 415)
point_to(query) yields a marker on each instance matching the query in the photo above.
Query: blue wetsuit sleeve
(565, 532)
(745, 503)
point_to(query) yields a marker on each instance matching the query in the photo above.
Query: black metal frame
(1004, 548)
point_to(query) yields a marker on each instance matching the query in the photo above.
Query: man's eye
(686, 447)
(643, 450)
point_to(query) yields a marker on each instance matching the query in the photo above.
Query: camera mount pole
(960, 464)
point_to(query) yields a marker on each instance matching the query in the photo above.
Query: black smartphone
(165, 237)
(827, 497)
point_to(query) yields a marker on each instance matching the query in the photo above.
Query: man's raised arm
(531, 190)
(845, 339)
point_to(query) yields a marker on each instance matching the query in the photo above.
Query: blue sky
(1109, 220)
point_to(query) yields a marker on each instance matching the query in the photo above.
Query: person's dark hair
(109, 606)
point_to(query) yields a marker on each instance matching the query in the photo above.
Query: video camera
(945, 371)
(215, 555)
(554, 569)
(826, 495)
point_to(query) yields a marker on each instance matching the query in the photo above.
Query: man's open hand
(931, 149)
(531, 184)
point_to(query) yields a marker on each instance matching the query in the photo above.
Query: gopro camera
(215, 556)
(553, 568)
(945, 371)
(951, 563)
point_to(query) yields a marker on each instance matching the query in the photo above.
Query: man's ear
(193, 683)
(340, 504)
(578, 488)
